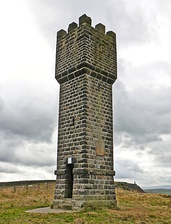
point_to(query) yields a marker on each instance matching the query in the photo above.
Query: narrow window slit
(73, 121)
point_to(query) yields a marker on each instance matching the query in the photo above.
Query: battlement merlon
(86, 50)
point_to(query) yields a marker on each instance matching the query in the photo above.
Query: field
(138, 208)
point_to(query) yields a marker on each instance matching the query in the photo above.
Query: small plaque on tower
(100, 148)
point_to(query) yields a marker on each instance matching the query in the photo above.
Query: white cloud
(24, 51)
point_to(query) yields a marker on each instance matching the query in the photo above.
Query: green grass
(138, 208)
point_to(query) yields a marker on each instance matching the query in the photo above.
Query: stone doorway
(69, 181)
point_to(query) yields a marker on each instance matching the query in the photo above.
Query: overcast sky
(29, 91)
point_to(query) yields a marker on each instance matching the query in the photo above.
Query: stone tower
(86, 68)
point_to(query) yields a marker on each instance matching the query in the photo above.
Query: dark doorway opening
(69, 180)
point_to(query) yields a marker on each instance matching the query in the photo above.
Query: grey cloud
(35, 156)
(21, 152)
(143, 113)
(13, 172)
(164, 160)
(162, 153)
(142, 120)
(29, 111)
(1, 104)
(132, 26)
(28, 121)
(8, 168)
(127, 169)
(8, 146)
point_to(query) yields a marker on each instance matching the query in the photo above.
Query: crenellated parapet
(85, 49)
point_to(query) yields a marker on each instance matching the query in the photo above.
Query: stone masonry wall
(87, 47)
(86, 70)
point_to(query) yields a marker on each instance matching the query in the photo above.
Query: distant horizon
(158, 187)
(143, 187)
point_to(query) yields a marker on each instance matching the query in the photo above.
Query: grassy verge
(138, 208)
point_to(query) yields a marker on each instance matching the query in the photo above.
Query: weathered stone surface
(72, 26)
(101, 28)
(86, 50)
(85, 69)
(100, 148)
(84, 19)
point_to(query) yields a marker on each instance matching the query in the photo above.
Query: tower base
(71, 204)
